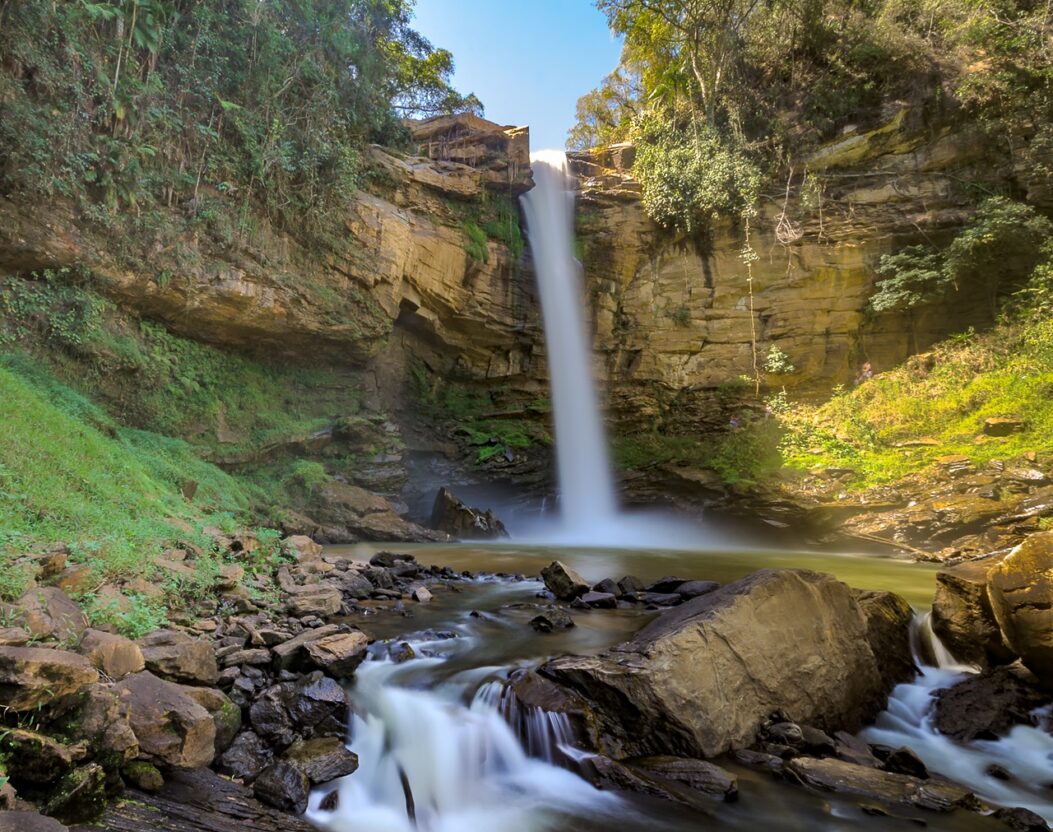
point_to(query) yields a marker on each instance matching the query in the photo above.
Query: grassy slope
(1005, 372)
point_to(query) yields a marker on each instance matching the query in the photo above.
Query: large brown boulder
(1021, 593)
(348, 513)
(114, 655)
(962, 616)
(176, 656)
(31, 677)
(47, 612)
(172, 729)
(563, 582)
(701, 679)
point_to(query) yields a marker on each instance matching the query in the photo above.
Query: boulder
(283, 786)
(172, 729)
(112, 655)
(20, 821)
(693, 589)
(322, 601)
(962, 615)
(600, 600)
(173, 655)
(225, 714)
(143, 775)
(338, 654)
(47, 612)
(838, 776)
(318, 706)
(31, 677)
(986, 706)
(247, 756)
(888, 618)
(421, 594)
(702, 679)
(551, 619)
(35, 758)
(1003, 426)
(301, 547)
(1021, 592)
(322, 759)
(79, 796)
(292, 654)
(98, 720)
(564, 582)
(702, 776)
(452, 516)
(630, 583)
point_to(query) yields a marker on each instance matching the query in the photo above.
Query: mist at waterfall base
(588, 506)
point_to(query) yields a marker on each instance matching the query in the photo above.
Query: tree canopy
(125, 103)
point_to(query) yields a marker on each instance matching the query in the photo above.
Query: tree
(603, 115)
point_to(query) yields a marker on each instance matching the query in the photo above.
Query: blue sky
(528, 60)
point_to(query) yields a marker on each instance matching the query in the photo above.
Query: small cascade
(544, 734)
(587, 497)
(1026, 753)
(428, 762)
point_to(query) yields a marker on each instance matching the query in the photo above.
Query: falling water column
(586, 487)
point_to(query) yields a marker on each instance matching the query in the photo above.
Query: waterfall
(587, 498)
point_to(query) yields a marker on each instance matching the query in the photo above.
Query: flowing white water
(1025, 752)
(462, 768)
(587, 499)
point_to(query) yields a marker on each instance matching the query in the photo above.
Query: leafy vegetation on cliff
(228, 106)
(752, 83)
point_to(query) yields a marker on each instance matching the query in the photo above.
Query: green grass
(1005, 372)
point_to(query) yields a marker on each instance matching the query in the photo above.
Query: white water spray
(586, 487)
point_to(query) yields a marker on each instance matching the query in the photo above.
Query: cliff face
(398, 288)
(672, 313)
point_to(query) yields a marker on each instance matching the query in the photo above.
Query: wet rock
(564, 582)
(600, 600)
(705, 677)
(247, 756)
(144, 776)
(831, 775)
(1021, 820)
(888, 619)
(694, 589)
(700, 775)
(79, 796)
(292, 654)
(256, 657)
(1003, 426)
(786, 733)
(905, 761)
(322, 759)
(283, 786)
(23, 821)
(225, 714)
(32, 677)
(35, 758)
(171, 728)
(630, 583)
(1021, 591)
(401, 652)
(817, 742)
(178, 657)
(355, 585)
(270, 719)
(112, 655)
(552, 619)
(665, 585)
(322, 601)
(421, 595)
(350, 513)
(659, 599)
(852, 749)
(605, 772)
(318, 705)
(338, 654)
(452, 516)
(962, 615)
(752, 758)
(387, 560)
(609, 586)
(987, 706)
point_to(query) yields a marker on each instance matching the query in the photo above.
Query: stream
(435, 727)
